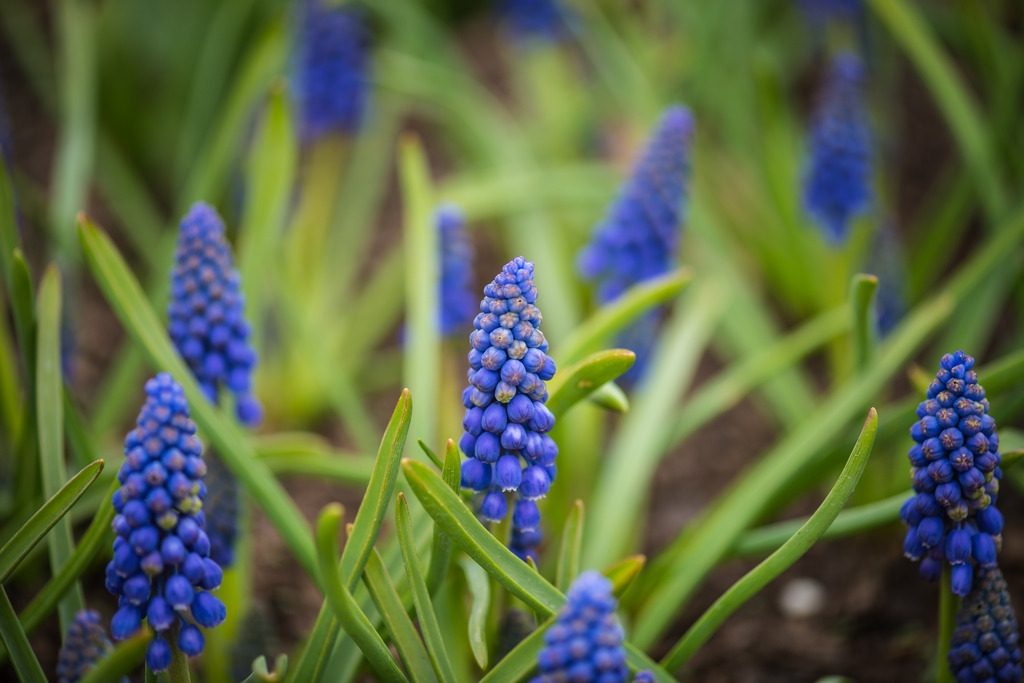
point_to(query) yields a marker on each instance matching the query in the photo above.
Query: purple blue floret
(837, 185)
(586, 641)
(952, 516)
(162, 571)
(506, 422)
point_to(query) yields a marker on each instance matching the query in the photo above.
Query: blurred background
(531, 113)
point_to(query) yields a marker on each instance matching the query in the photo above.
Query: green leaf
(50, 422)
(576, 382)
(25, 663)
(45, 518)
(862, 299)
(432, 635)
(352, 619)
(480, 592)
(442, 546)
(611, 397)
(355, 470)
(616, 316)
(361, 539)
(570, 549)
(455, 518)
(421, 369)
(132, 308)
(260, 673)
(392, 610)
(781, 559)
(520, 663)
(124, 659)
(9, 237)
(431, 454)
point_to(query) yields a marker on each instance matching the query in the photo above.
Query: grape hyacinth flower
(221, 507)
(457, 301)
(837, 185)
(85, 644)
(955, 471)
(585, 643)
(819, 12)
(161, 569)
(639, 236)
(333, 69)
(506, 421)
(207, 321)
(985, 645)
(534, 20)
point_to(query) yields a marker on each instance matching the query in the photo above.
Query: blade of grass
(129, 303)
(441, 550)
(431, 454)
(403, 631)
(480, 593)
(25, 663)
(355, 470)
(122, 660)
(570, 549)
(50, 422)
(862, 299)
(353, 620)
(611, 397)
(432, 636)
(781, 559)
(577, 382)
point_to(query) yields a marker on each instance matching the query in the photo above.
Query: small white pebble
(801, 598)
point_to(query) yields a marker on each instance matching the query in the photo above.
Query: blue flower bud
(535, 483)
(494, 419)
(983, 549)
(526, 516)
(507, 473)
(958, 546)
(193, 569)
(476, 475)
(207, 610)
(494, 506)
(158, 655)
(488, 448)
(190, 640)
(962, 578)
(126, 622)
(930, 531)
(990, 521)
(930, 569)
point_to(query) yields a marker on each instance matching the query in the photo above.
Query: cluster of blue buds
(221, 508)
(506, 419)
(837, 185)
(639, 236)
(955, 470)
(986, 643)
(161, 569)
(585, 642)
(333, 69)
(85, 644)
(457, 301)
(206, 317)
(534, 20)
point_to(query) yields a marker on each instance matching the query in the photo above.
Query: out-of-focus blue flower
(85, 644)
(333, 69)
(585, 643)
(221, 507)
(207, 321)
(457, 301)
(639, 236)
(823, 11)
(985, 645)
(646, 676)
(837, 185)
(887, 263)
(506, 422)
(161, 568)
(952, 515)
(534, 20)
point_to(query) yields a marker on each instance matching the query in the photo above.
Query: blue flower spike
(639, 236)
(837, 185)
(955, 460)
(542, 21)
(985, 644)
(162, 571)
(585, 642)
(506, 422)
(85, 644)
(458, 304)
(333, 69)
(207, 319)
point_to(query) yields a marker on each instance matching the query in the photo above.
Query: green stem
(150, 676)
(178, 672)
(948, 606)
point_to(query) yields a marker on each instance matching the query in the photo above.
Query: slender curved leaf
(576, 382)
(24, 659)
(570, 549)
(392, 610)
(432, 635)
(352, 619)
(611, 397)
(862, 299)
(43, 520)
(441, 550)
(431, 454)
(480, 591)
(784, 557)
(122, 660)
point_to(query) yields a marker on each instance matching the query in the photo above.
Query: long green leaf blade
(392, 610)
(352, 619)
(784, 557)
(127, 299)
(25, 663)
(50, 423)
(862, 298)
(570, 549)
(15, 550)
(441, 550)
(432, 635)
(576, 382)
(480, 592)
(122, 660)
